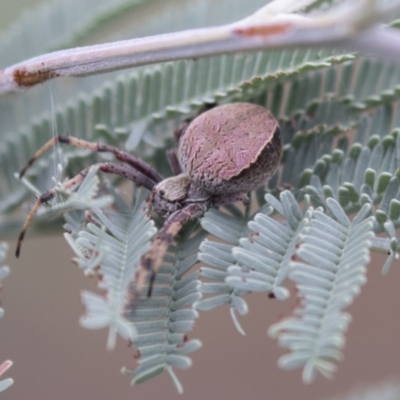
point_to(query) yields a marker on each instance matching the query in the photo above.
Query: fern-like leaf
(334, 253)
(229, 228)
(264, 257)
(111, 247)
(163, 319)
(345, 83)
(365, 172)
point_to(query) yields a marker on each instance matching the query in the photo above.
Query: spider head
(170, 194)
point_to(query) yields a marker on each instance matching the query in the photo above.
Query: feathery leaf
(111, 247)
(264, 257)
(334, 254)
(163, 319)
(229, 228)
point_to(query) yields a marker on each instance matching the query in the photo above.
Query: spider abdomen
(231, 148)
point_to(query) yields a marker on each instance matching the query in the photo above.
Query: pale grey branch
(350, 27)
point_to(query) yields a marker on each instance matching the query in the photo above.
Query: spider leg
(173, 162)
(123, 156)
(150, 262)
(107, 167)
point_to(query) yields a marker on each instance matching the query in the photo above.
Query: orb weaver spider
(223, 153)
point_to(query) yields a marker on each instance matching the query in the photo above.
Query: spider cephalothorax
(223, 153)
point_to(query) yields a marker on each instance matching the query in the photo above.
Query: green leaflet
(266, 254)
(230, 228)
(111, 246)
(364, 172)
(335, 252)
(163, 320)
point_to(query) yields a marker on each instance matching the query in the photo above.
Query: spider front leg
(150, 262)
(123, 156)
(107, 167)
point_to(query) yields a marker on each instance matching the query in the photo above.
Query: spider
(223, 153)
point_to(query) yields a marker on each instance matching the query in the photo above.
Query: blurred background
(56, 359)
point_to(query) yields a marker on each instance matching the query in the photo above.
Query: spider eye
(161, 193)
